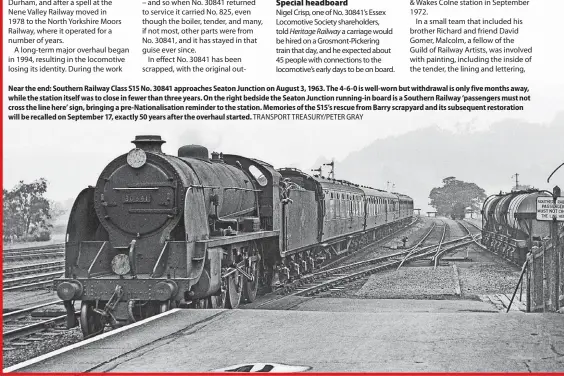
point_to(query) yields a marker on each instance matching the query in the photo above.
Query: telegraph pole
(332, 172)
(556, 251)
(318, 170)
(516, 176)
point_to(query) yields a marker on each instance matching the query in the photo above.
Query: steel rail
(26, 270)
(438, 252)
(29, 286)
(12, 334)
(416, 246)
(25, 311)
(33, 256)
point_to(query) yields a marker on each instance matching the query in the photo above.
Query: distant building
(469, 213)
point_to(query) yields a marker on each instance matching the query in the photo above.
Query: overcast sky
(72, 155)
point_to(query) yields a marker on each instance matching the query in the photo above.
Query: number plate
(134, 198)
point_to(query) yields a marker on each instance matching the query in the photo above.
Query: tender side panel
(301, 220)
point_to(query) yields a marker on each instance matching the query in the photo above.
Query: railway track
(373, 244)
(31, 282)
(56, 251)
(48, 247)
(476, 237)
(30, 256)
(22, 327)
(465, 222)
(32, 275)
(333, 278)
(26, 270)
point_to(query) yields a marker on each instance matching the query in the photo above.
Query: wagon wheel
(91, 322)
(250, 288)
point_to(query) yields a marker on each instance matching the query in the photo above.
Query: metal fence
(545, 276)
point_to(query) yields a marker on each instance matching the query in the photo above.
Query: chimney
(193, 151)
(150, 143)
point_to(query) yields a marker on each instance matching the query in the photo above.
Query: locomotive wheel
(250, 288)
(91, 322)
(233, 291)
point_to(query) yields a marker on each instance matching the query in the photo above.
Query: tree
(56, 209)
(455, 196)
(26, 211)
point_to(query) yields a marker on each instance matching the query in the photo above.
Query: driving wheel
(91, 322)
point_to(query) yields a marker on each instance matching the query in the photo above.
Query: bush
(43, 236)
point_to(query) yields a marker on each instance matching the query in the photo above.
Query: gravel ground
(485, 279)
(34, 349)
(411, 283)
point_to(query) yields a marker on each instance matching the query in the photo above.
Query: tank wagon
(159, 231)
(509, 224)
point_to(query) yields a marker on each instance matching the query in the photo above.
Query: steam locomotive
(509, 224)
(160, 231)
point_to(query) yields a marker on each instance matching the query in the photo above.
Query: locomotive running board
(241, 237)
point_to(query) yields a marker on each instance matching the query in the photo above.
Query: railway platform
(326, 335)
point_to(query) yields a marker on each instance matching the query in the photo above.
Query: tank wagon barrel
(509, 224)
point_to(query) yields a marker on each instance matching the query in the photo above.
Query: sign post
(552, 209)
(556, 253)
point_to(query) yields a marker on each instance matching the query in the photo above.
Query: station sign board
(547, 209)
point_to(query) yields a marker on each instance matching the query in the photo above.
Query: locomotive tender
(160, 231)
(509, 224)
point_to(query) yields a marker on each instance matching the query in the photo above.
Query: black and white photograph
(282, 186)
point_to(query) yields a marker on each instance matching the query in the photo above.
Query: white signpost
(547, 209)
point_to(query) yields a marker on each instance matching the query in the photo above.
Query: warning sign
(547, 210)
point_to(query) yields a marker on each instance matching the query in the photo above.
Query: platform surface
(329, 335)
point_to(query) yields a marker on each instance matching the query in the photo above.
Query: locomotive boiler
(159, 231)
